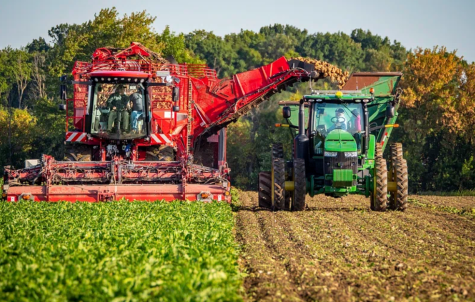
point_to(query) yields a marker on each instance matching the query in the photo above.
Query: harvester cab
(338, 147)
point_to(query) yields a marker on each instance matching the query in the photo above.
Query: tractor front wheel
(379, 194)
(300, 185)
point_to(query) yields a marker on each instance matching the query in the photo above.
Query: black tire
(264, 190)
(77, 152)
(278, 170)
(166, 153)
(399, 174)
(379, 195)
(277, 150)
(300, 185)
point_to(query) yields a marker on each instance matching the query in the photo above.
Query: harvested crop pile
(339, 250)
(117, 251)
(327, 70)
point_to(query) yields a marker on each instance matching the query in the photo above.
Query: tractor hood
(340, 141)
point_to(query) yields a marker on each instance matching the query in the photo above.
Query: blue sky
(414, 23)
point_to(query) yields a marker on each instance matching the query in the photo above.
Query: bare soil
(339, 250)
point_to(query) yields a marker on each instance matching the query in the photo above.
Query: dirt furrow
(339, 250)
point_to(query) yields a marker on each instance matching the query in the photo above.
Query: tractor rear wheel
(277, 150)
(399, 175)
(264, 192)
(300, 185)
(278, 184)
(379, 194)
(77, 152)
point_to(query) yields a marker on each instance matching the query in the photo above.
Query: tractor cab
(118, 106)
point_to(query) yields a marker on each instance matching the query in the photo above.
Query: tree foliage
(437, 113)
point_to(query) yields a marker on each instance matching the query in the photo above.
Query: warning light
(339, 94)
(371, 90)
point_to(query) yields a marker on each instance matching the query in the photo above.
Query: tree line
(437, 115)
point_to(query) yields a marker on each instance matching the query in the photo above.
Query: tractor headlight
(331, 154)
(351, 154)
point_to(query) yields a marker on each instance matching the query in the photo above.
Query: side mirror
(62, 107)
(176, 108)
(286, 112)
(176, 94)
(390, 111)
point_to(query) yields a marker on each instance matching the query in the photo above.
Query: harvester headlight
(331, 154)
(319, 100)
(351, 154)
(357, 101)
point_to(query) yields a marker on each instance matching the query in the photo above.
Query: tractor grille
(340, 162)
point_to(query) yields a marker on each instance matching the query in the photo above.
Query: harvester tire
(300, 185)
(277, 150)
(399, 174)
(278, 170)
(166, 153)
(77, 153)
(264, 190)
(379, 194)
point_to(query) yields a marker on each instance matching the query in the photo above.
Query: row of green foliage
(118, 251)
(437, 125)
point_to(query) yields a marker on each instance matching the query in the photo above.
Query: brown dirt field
(339, 250)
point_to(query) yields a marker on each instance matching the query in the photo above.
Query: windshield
(344, 116)
(118, 111)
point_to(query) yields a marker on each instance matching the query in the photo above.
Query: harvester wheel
(300, 185)
(166, 153)
(379, 195)
(264, 190)
(277, 150)
(77, 153)
(398, 174)
(278, 188)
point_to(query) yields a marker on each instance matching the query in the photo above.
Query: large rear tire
(379, 194)
(264, 190)
(398, 173)
(278, 188)
(300, 185)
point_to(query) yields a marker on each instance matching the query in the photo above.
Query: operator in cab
(136, 99)
(118, 104)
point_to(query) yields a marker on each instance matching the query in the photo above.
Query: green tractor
(339, 141)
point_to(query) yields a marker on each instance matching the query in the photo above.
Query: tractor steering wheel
(336, 120)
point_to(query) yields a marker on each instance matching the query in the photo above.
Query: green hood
(340, 141)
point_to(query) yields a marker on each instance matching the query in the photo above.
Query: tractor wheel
(77, 152)
(378, 151)
(379, 195)
(264, 190)
(398, 173)
(277, 150)
(278, 188)
(300, 185)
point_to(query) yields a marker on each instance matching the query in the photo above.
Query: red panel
(93, 193)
